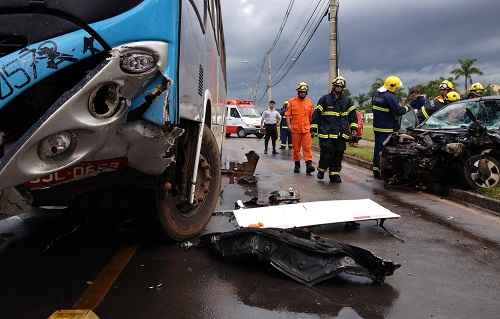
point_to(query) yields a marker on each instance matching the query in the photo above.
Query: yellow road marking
(94, 294)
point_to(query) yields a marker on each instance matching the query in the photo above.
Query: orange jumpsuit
(300, 114)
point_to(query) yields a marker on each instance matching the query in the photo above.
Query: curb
(457, 195)
(467, 198)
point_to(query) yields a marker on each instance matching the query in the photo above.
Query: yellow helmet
(339, 81)
(446, 85)
(477, 87)
(393, 83)
(453, 96)
(302, 87)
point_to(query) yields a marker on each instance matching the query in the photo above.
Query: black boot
(274, 152)
(376, 174)
(309, 167)
(321, 174)
(297, 167)
(282, 147)
(335, 179)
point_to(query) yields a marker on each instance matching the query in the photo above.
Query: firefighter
(476, 90)
(285, 134)
(431, 107)
(335, 119)
(445, 87)
(386, 113)
(298, 117)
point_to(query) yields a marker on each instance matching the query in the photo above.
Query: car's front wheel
(241, 132)
(482, 172)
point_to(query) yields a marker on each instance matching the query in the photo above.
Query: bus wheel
(180, 222)
(241, 132)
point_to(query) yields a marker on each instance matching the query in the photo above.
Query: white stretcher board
(313, 213)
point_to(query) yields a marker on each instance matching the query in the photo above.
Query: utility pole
(269, 78)
(332, 17)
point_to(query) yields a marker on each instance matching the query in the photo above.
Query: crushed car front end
(457, 146)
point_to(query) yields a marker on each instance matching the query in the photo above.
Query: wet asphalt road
(445, 273)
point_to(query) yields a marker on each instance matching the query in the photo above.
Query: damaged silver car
(458, 146)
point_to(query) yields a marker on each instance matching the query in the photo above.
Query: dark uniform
(386, 114)
(285, 134)
(429, 108)
(334, 117)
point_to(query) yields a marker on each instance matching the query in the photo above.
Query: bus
(118, 94)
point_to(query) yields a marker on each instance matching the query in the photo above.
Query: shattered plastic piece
(300, 256)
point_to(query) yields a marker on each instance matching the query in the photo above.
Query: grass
(490, 192)
(362, 152)
(368, 132)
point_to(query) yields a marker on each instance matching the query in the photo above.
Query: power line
(294, 46)
(275, 43)
(283, 23)
(294, 61)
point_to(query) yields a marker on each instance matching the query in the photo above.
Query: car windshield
(248, 112)
(454, 116)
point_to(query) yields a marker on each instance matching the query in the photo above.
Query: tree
(466, 70)
(375, 86)
(431, 88)
(361, 99)
(489, 91)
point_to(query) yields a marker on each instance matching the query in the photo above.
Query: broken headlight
(57, 146)
(454, 149)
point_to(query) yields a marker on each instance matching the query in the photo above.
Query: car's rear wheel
(482, 172)
(241, 132)
(181, 221)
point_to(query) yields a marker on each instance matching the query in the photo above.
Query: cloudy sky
(418, 40)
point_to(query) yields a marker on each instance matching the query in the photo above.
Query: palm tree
(466, 70)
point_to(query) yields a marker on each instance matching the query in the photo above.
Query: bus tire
(241, 132)
(180, 224)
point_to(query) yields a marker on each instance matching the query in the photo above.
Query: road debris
(300, 255)
(284, 197)
(244, 170)
(313, 213)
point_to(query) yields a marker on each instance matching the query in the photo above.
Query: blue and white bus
(115, 94)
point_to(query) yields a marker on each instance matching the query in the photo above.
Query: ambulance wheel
(241, 132)
(180, 221)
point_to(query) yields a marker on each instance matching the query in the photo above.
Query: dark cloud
(420, 40)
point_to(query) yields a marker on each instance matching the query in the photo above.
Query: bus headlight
(56, 146)
(137, 62)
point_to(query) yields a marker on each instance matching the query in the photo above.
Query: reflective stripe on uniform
(376, 169)
(319, 107)
(349, 110)
(314, 125)
(381, 109)
(328, 136)
(334, 173)
(355, 125)
(383, 130)
(346, 136)
(320, 169)
(424, 112)
(330, 113)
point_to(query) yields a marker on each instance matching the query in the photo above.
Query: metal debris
(284, 197)
(242, 170)
(300, 255)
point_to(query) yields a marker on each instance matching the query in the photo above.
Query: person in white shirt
(270, 121)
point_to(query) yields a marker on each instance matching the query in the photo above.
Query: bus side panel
(192, 63)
